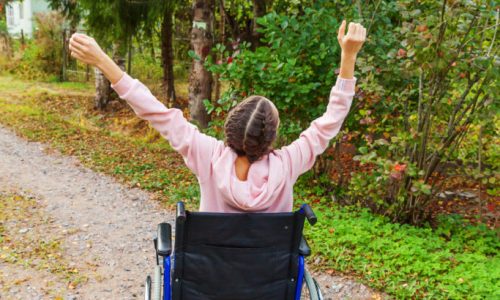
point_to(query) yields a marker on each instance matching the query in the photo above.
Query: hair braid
(251, 128)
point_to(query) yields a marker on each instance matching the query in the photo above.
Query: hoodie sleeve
(196, 148)
(302, 153)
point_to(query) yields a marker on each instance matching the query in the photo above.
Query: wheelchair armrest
(164, 243)
(304, 249)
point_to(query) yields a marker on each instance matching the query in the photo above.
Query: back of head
(251, 127)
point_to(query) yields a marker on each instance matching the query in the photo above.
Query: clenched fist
(351, 42)
(86, 49)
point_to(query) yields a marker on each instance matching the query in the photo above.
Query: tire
(312, 286)
(318, 290)
(147, 287)
(157, 283)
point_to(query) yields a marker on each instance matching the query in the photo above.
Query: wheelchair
(233, 256)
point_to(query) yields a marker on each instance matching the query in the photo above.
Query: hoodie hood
(264, 184)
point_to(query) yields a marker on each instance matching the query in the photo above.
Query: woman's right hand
(86, 49)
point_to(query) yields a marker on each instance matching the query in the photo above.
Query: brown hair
(251, 127)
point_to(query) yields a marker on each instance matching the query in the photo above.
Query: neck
(242, 165)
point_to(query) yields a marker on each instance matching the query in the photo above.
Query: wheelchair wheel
(312, 286)
(157, 283)
(147, 287)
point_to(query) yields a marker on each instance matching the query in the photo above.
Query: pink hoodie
(269, 187)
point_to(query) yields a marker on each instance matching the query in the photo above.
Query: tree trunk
(200, 80)
(167, 56)
(102, 90)
(102, 85)
(222, 32)
(129, 54)
(259, 9)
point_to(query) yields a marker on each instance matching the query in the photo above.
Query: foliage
(70, 9)
(454, 261)
(41, 57)
(48, 39)
(295, 71)
(445, 65)
(122, 18)
(27, 65)
(419, 59)
(3, 26)
(146, 68)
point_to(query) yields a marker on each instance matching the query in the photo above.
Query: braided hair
(251, 127)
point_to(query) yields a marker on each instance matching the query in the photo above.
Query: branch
(470, 84)
(373, 17)
(494, 35)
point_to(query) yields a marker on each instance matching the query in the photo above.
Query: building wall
(39, 6)
(20, 16)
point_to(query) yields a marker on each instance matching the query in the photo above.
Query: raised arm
(195, 147)
(302, 153)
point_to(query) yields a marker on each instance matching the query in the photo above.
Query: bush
(48, 39)
(447, 83)
(41, 57)
(296, 71)
(425, 76)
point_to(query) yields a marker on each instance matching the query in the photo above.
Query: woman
(244, 173)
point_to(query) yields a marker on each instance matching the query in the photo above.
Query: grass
(454, 261)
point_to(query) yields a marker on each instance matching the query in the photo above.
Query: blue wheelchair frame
(167, 263)
(167, 291)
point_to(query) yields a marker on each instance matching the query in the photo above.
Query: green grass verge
(454, 261)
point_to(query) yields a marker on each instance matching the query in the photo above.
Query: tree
(167, 52)
(122, 19)
(70, 10)
(259, 10)
(200, 80)
(4, 36)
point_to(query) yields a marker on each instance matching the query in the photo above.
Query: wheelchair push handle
(180, 211)
(309, 213)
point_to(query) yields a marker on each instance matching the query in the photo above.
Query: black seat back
(236, 256)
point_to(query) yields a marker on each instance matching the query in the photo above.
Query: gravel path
(107, 226)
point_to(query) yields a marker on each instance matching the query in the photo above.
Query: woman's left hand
(351, 42)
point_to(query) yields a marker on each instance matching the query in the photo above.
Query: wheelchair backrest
(229, 256)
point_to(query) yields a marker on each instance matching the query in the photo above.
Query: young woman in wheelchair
(244, 173)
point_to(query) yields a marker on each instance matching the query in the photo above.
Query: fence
(72, 70)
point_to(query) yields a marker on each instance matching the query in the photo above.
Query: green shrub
(41, 57)
(146, 69)
(425, 76)
(296, 71)
(48, 38)
(447, 82)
